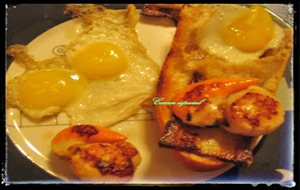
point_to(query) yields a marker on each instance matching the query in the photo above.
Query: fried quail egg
(103, 77)
(41, 93)
(238, 34)
(99, 60)
(121, 73)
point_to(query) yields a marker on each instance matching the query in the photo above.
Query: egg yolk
(47, 88)
(251, 31)
(99, 60)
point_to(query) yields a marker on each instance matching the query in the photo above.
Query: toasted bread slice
(187, 63)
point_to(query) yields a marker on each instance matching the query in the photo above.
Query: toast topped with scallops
(229, 59)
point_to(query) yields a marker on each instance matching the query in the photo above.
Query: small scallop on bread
(215, 42)
(97, 153)
(82, 134)
(104, 162)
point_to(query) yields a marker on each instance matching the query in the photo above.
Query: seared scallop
(79, 134)
(253, 112)
(104, 162)
(200, 104)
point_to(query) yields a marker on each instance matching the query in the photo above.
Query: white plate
(158, 165)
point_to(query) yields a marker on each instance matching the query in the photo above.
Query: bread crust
(162, 10)
(182, 62)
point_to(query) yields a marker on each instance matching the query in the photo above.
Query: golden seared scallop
(253, 112)
(82, 134)
(199, 104)
(107, 162)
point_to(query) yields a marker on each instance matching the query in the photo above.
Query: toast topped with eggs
(231, 59)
